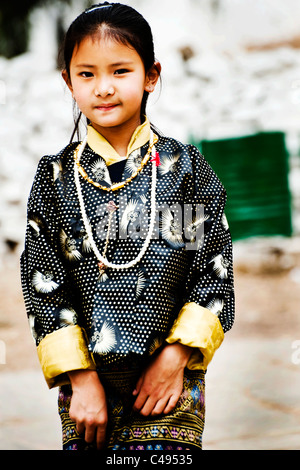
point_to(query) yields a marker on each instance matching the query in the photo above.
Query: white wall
(222, 91)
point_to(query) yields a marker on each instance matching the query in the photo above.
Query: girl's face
(108, 80)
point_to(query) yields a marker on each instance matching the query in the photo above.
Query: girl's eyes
(121, 71)
(86, 74)
(116, 72)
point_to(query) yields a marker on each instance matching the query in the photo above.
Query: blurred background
(231, 86)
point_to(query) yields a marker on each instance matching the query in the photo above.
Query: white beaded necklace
(103, 262)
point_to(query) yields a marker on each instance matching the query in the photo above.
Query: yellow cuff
(62, 351)
(199, 328)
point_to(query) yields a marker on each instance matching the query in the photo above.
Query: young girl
(127, 266)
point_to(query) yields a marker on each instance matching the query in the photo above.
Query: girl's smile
(107, 107)
(108, 81)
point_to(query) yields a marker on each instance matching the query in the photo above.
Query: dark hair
(116, 21)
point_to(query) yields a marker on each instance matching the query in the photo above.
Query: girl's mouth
(106, 107)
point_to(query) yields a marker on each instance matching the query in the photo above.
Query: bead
(103, 262)
(111, 206)
(117, 186)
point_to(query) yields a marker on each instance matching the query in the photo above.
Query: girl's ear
(66, 78)
(152, 77)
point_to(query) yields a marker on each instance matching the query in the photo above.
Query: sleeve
(61, 342)
(208, 311)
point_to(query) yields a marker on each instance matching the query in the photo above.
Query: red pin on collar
(156, 159)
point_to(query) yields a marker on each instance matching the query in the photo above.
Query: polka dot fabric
(127, 311)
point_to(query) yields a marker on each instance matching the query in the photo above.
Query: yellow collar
(102, 147)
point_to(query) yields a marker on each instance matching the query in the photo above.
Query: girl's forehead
(100, 48)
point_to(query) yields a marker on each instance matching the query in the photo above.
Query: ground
(252, 384)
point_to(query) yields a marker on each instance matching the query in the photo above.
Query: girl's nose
(104, 88)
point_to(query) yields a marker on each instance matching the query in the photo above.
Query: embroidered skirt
(181, 429)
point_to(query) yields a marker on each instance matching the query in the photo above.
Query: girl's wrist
(82, 376)
(182, 352)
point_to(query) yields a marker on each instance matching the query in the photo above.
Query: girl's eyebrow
(116, 64)
(124, 62)
(85, 66)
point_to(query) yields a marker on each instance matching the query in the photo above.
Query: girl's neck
(118, 138)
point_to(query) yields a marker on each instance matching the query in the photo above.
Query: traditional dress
(114, 320)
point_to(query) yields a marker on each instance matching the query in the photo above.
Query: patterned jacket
(181, 290)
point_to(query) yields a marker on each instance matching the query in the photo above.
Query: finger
(159, 407)
(141, 398)
(140, 402)
(89, 433)
(80, 427)
(138, 386)
(100, 438)
(149, 405)
(171, 404)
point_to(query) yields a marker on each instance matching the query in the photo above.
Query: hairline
(104, 31)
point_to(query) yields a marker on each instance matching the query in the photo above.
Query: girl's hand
(160, 385)
(88, 406)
